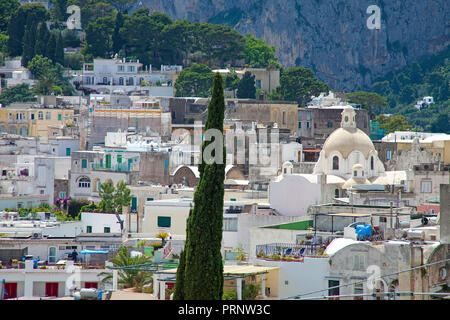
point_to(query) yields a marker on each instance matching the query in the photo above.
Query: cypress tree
(42, 37)
(51, 46)
(203, 267)
(29, 40)
(59, 50)
(246, 87)
(15, 33)
(178, 293)
(117, 40)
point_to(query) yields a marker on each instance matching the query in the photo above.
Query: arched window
(84, 182)
(335, 163)
(371, 163)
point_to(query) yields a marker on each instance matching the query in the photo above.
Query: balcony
(120, 167)
(290, 251)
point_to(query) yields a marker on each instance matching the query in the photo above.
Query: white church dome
(345, 141)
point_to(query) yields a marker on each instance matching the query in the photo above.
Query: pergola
(230, 272)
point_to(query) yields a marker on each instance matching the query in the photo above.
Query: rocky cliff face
(329, 36)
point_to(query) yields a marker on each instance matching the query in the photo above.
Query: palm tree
(128, 278)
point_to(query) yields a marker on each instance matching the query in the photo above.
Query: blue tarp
(364, 231)
(89, 251)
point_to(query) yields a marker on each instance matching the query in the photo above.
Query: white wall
(301, 277)
(100, 220)
(293, 195)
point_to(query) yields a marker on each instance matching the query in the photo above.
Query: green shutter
(119, 158)
(164, 222)
(84, 163)
(67, 151)
(108, 161)
(133, 204)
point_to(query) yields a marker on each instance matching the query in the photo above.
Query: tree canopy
(370, 101)
(246, 87)
(393, 123)
(194, 81)
(258, 54)
(299, 84)
(19, 93)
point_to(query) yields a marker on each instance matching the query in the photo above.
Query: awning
(311, 150)
(341, 214)
(229, 270)
(86, 251)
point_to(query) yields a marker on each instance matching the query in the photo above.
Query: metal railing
(118, 167)
(288, 249)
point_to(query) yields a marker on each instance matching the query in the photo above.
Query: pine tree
(246, 87)
(51, 46)
(59, 49)
(203, 267)
(29, 40)
(42, 37)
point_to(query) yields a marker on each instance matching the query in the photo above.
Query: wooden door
(51, 289)
(11, 290)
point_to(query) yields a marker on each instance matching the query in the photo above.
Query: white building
(48, 282)
(348, 158)
(119, 75)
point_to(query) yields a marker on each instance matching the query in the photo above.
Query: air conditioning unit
(36, 235)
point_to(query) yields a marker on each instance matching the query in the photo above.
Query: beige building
(26, 120)
(284, 114)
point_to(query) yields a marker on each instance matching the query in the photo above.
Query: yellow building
(438, 146)
(33, 122)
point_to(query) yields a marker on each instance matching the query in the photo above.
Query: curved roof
(354, 181)
(346, 140)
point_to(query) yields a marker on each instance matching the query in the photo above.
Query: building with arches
(348, 159)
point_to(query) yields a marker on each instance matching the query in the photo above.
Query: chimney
(444, 214)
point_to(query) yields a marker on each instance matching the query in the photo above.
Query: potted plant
(241, 256)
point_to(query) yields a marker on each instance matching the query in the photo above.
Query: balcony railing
(279, 251)
(118, 167)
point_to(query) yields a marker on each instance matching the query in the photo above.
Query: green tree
(122, 196)
(178, 293)
(246, 87)
(128, 278)
(393, 123)
(258, 54)
(59, 49)
(194, 81)
(203, 265)
(40, 66)
(141, 33)
(177, 41)
(370, 101)
(441, 123)
(29, 40)
(19, 93)
(59, 10)
(106, 192)
(117, 41)
(299, 84)
(99, 37)
(51, 47)
(3, 44)
(27, 16)
(7, 10)
(42, 37)
(75, 205)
